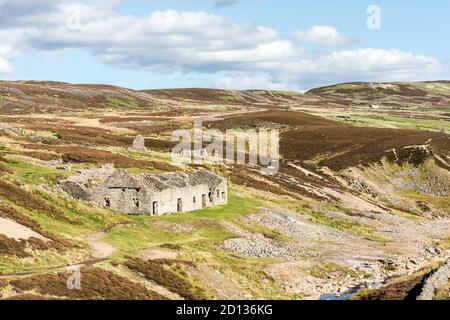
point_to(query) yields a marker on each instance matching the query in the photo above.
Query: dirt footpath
(99, 248)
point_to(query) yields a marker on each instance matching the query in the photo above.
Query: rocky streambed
(319, 262)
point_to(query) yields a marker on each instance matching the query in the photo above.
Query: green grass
(445, 243)
(143, 234)
(361, 294)
(34, 174)
(117, 103)
(347, 225)
(267, 232)
(350, 87)
(289, 93)
(404, 123)
(237, 206)
(249, 272)
(228, 98)
(41, 260)
(432, 110)
(442, 202)
(139, 236)
(323, 270)
(443, 293)
(89, 217)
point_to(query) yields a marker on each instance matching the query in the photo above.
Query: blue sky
(246, 44)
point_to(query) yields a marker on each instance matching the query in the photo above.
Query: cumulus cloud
(225, 3)
(164, 40)
(242, 55)
(5, 67)
(323, 35)
(15, 11)
(5, 54)
(260, 81)
(305, 72)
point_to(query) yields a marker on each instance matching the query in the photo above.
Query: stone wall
(437, 280)
(122, 192)
(132, 201)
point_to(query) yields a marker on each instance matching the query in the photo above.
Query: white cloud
(165, 40)
(302, 72)
(260, 81)
(323, 35)
(5, 54)
(240, 54)
(225, 3)
(5, 66)
(377, 65)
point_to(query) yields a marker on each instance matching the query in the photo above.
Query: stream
(352, 292)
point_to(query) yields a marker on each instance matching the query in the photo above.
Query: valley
(361, 198)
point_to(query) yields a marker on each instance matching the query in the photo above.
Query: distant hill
(435, 94)
(23, 97)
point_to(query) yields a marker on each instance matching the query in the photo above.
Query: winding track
(100, 251)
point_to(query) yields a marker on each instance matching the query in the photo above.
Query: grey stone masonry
(147, 194)
(139, 145)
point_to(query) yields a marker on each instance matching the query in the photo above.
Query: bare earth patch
(17, 231)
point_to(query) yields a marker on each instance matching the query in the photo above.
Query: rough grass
(36, 174)
(82, 134)
(76, 155)
(404, 123)
(56, 242)
(159, 144)
(337, 147)
(139, 235)
(12, 247)
(120, 119)
(27, 200)
(403, 288)
(29, 297)
(283, 118)
(326, 269)
(443, 293)
(145, 231)
(239, 177)
(445, 243)
(228, 98)
(5, 169)
(83, 155)
(121, 103)
(96, 284)
(44, 156)
(87, 217)
(347, 225)
(85, 135)
(237, 206)
(204, 96)
(158, 272)
(306, 137)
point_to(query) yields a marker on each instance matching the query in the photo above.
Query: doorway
(155, 208)
(204, 201)
(180, 205)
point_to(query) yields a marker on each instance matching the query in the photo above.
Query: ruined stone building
(147, 194)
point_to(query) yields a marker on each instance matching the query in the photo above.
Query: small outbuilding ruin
(147, 194)
(138, 145)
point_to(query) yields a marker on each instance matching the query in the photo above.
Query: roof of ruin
(121, 179)
(180, 180)
(166, 181)
(205, 177)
